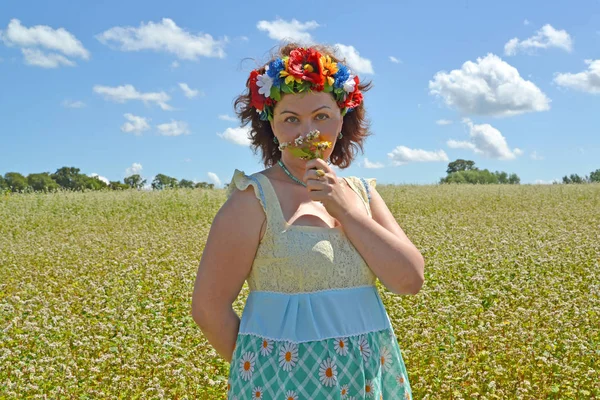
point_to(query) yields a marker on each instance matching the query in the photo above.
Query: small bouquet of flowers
(307, 147)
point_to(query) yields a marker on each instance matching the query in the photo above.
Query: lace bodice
(297, 259)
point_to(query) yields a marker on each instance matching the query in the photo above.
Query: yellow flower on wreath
(330, 68)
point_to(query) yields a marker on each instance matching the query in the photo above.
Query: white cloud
(443, 122)
(288, 30)
(238, 136)
(163, 36)
(32, 40)
(403, 155)
(586, 81)
(357, 63)
(543, 39)
(526, 22)
(486, 140)
(122, 94)
(73, 104)
(214, 179)
(455, 144)
(225, 117)
(103, 179)
(135, 168)
(189, 93)
(174, 128)
(38, 58)
(175, 64)
(372, 165)
(489, 86)
(135, 124)
(244, 38)
(535, 156)
(395, 60)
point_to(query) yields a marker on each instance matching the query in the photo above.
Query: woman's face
(298, 114)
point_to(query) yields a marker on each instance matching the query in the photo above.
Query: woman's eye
(322, 116)
(288, 119)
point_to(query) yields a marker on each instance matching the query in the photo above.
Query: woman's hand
(329, 190)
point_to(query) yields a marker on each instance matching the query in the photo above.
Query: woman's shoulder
(364, 186)
(239, 185)
(359, 180)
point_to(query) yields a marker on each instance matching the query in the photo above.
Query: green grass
(95, 293)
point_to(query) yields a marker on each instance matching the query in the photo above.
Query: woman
(311, 246)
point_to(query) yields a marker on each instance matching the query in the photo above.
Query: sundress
(314, 325)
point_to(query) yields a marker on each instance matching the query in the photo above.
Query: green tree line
(464, 171)
(70, 178)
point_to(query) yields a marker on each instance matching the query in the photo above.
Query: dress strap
(274, 212)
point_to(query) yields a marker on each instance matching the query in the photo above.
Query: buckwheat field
(95, 293)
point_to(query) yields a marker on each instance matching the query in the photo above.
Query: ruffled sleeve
(241, 181)
(372, 182)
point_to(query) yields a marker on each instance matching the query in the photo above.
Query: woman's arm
(385, 247)
(226, 261)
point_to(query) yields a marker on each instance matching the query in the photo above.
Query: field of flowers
(95, 293)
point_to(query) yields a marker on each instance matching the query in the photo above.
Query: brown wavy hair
(355, 128)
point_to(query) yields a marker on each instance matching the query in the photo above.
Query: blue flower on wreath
(341, 76)
(275, 67)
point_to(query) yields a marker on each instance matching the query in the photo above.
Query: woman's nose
(308, 126)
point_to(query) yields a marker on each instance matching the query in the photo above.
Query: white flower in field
(247, 365)
(385, 358)
(365, 349)
(328, 372)
(341, 346)
(291, 395)
(257, 393)
(266, 347)
(288, 356)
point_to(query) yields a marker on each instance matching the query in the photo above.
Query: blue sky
(119, 87)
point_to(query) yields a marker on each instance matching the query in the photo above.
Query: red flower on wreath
(306, 65)
(258, 100)
(353, 99)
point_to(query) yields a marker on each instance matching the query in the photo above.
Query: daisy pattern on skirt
(401, 379)
(344, 391)
(247, 365)
(266, 347)
(385, 358)
(369, 388)
(328, 372)
(365, 349)
(257, 393)
(341, 346)
(406, 395)
(291, 395)
(288, 356)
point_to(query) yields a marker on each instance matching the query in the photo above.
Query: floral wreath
(305, 69)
